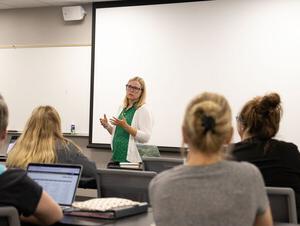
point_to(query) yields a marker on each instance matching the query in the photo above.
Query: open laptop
(60, 181)
(11, 142)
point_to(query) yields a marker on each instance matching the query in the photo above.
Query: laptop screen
(12, 142)
(60, 181)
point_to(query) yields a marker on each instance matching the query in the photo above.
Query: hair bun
(208, 122)
(268, 103)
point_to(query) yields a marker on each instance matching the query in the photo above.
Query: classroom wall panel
(57, 76)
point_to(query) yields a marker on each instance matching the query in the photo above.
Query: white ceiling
(13, 4)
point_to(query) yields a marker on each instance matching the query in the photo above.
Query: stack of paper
(130, 165)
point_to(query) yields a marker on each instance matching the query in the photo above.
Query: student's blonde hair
(207, 123)
(142, 98)
(38, 140)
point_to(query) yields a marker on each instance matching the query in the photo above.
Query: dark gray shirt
(226, 193)
(72, 155)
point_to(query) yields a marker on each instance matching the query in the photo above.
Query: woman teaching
(133, 124)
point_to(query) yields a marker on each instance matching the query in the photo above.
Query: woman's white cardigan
(142, 121)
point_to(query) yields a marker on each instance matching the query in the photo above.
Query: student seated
(209, 190)
(17, 189)
(43, 142)
(278, 161)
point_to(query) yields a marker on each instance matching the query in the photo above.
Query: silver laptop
(60, 181)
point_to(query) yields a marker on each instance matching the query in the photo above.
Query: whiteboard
(57, 76)
(240, 49)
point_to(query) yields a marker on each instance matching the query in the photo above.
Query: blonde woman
(16, 189)
(133, 125)
(209, 190)
(42, 142)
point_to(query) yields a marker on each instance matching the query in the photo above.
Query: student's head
(3, 118)
(260, 117)
(44, 123)
(38, 140)
(207, 123)
(135, 91)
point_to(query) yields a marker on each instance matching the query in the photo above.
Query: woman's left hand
(118, 122)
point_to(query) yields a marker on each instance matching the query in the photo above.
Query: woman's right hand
(104, 122)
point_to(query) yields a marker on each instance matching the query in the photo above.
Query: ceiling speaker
(72, 13)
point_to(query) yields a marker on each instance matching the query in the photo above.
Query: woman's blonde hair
(142, 98)
(38, 140)
(207, 123)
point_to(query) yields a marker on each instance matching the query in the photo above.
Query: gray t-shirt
(226, 193)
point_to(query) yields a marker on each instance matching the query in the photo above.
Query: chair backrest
(127, 184)
(283, 204)
(9, 216)
(158, 164)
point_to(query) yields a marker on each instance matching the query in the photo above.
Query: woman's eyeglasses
(133, 88)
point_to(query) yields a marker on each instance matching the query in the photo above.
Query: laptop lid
(60, 181)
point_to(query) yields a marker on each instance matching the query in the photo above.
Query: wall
(48, 61)
(43, 26)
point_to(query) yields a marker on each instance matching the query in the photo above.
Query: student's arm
(264, 219)
(47, 212)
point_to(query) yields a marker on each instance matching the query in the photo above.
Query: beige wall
(43, 26)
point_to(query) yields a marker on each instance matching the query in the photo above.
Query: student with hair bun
(207, 189)
(278, 161)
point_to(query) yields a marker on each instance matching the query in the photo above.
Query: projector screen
(240, 49)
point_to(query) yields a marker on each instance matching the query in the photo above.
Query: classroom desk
(285, 224)
(144, 219)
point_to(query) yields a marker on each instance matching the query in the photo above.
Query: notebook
(60, 181)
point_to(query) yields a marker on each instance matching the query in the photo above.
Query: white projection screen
(240, 49)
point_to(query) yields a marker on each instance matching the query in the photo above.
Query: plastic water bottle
(72, 128)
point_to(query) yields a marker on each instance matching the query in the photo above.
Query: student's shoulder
(17, 177)
(283, 145)
(243, 168)
(169, 174)
(13, 173)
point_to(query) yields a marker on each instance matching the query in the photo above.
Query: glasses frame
(133, 88)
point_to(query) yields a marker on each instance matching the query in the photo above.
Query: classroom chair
(283, 204)
(127, 184)
(9, 216)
